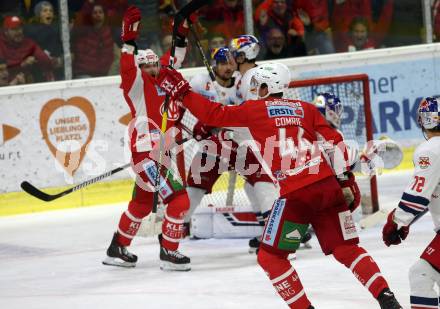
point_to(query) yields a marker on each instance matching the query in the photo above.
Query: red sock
(172, 226)
(284, 278)
(131, 221)
(363, 267)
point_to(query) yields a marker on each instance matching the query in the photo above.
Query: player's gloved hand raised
(130, 24)
(183, 28)
(351, 191)
(172, 82)
(391, 234)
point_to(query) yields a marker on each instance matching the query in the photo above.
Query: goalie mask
(276, 76)
(331, 107)
(429, 114)
(245, 44)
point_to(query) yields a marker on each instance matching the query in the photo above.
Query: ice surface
(53, 260)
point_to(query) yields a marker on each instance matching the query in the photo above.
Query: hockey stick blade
(35, 192)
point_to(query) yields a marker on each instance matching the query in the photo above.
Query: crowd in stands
(31, 48)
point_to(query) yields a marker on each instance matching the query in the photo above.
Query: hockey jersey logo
(424, 162)
(173, 110)
(285, 111)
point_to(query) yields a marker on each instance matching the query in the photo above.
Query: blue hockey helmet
(330, 106)
(429, 114)
(222, 54)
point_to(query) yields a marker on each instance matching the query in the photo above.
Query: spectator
(382, 15)
(277, 48)
(314, 16)
(406, 24)
(344, 11)
(113, 15)
(4, 76)
(226, 17)
(22, 54)
(216, 41)
(92, 45)
(359, 36)
(277, 16)
(46, 34)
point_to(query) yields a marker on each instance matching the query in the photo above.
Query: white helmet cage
(276, 76)
(146, 56)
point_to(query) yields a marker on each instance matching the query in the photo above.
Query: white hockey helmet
(275, 75)
(146, 56)
(246, 44)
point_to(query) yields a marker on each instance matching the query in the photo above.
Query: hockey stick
(32, 190)
(381, 215)
(35, 192)
(179, 18)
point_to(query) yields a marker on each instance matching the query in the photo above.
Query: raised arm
(130, 72)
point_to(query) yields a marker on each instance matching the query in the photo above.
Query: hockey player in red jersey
(139, 70)
(421, 195)
(285, 137)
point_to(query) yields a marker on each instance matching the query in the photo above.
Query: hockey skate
(306, 241)
(173, 260)
(387, 300)
(254, 245)
(118, 255)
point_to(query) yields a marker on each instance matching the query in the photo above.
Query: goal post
(357, 121)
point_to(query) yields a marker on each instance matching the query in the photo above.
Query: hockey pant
(171, 192)
(424, 275)
(335, 231)
(216, 158)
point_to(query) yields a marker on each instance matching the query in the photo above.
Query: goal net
(356, 124)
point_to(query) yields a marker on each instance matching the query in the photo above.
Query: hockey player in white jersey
(421, 195)
(222, 90)
(245, 49)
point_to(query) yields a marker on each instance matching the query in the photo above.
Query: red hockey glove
(391, 235)
(173, 83)
(183, 28)
(201, 131)
(130, 24)
(351, 191)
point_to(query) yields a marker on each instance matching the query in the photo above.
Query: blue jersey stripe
(415, 199)
(416, 300)
(410, 210)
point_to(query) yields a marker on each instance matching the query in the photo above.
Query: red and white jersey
(146, 101)
(284, 134)
(202, 84)
(424, 189)
(244, 85)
